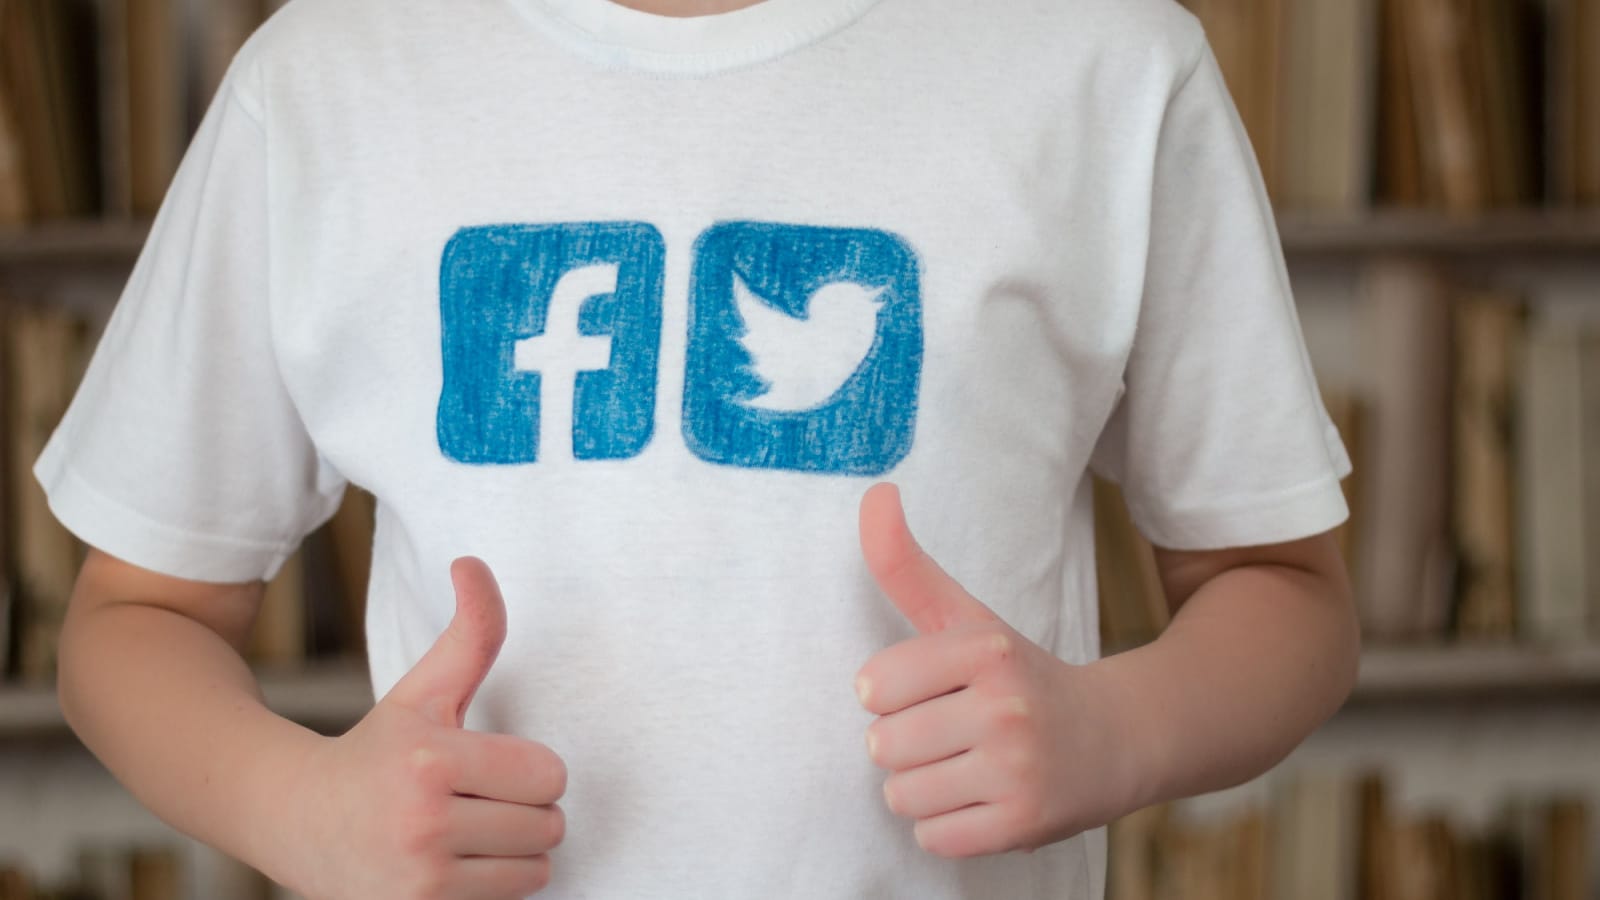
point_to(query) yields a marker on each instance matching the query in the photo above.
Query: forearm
(176, 715)
(1255, 659)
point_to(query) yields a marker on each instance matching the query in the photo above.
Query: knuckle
(993, 646)
(1001, 646)
(1011, 710)
(426, 765)
(421, 835)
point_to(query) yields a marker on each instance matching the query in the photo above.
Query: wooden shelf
(332, 697)
(1473, 672)
(109, 242)
(80, 266)
(1534, 233)
(40, 260)
(328, 697)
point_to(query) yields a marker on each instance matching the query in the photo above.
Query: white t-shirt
(636, 308)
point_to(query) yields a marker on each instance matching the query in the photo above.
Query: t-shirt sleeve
(182, 451)
(1220, 437)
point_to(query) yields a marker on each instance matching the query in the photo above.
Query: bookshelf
(68, 248)
(1500, 235)
(1355, 109)
(330, 697)
(81, 266)
(1468, 673)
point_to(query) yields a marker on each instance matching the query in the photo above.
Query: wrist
(1142, 774)
(273, 799)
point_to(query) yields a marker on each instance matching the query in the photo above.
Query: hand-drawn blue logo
(542, 319)
(805, 348)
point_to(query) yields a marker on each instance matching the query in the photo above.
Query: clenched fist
(409, 806)
(994, 743)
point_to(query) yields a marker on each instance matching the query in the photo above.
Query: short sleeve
(1220, 438)
(182, 451)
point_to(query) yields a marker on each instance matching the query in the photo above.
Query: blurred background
(1436, 167)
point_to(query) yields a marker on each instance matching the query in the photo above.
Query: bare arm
(1263, 647)
(152, 679)
(405, 805)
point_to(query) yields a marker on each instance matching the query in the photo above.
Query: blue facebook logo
(805, 348)
(550, 338)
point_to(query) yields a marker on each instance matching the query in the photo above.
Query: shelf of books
(333, 695)
(1444, 154)
(70, 249)
(1324, 834)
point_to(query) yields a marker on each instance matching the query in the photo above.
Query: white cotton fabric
(1101, 289)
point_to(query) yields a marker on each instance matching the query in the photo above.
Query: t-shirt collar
(624, 36)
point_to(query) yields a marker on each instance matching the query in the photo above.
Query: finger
(441, 685)
(940, 787)
(971, 831)
(922, 668)
(478, 827)
(927, 732)
(923, 592)
(498, 877)
(503, 767)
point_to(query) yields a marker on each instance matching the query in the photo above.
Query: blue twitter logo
(805, 348)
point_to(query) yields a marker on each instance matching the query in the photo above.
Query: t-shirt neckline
(622, 36)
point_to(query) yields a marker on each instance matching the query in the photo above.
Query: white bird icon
(805, 361)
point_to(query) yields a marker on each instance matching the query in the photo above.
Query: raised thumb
(923, 592)
(443, 682)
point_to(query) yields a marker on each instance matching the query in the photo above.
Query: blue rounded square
(777, 313)
(495, 289)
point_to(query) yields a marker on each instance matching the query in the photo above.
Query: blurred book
(155, 872)
(15, 206)
(278, 638)
(1552, 459)
(14, 883)
(1404, 558)
(46, 352)
(1332, 835)
(1315, 822)
(1573, 101)
(1589, 453)
(47, 111)
(1329, 78)
(350, 536)
(1133, 606)
(1459, 105)
(1488, 344)
(1302, 74)
(143, 109)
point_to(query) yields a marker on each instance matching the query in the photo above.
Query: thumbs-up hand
(409, 805)
(994, 743)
